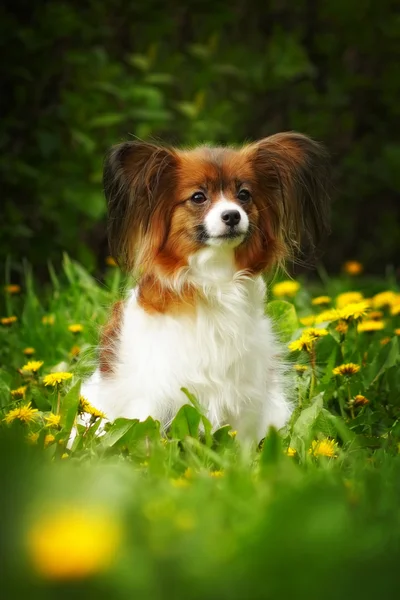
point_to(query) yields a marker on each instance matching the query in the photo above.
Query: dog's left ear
(293, 178)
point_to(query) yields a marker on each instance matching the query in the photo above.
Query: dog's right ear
(136, 175)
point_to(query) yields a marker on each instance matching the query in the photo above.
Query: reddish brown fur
(154, 224)
(109, 339)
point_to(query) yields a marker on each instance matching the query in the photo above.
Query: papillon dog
(199, 228)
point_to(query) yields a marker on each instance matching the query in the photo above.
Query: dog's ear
(293, 177)
(136, 177)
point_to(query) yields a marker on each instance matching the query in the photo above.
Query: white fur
(226, 354)
(216, 227)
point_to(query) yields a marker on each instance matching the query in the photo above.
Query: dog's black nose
(231, 217)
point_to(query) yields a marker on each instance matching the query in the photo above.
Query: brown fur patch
(109, 339)
(154, 298)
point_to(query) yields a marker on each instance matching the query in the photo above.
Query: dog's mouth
(233, 235)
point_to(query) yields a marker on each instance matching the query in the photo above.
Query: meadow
(311, 512)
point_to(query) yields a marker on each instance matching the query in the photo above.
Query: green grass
(134, 515)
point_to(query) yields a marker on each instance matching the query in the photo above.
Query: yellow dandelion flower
(360, 400)
(26, 414)
(217, 474)
(315, 332)
(13, 288)
(179, 482)
(56, 378)
(86, 407)
(73, 543)
(327, 316)
(32, 438)
(188, 473)
(29, 351)
(305, 342)
(111, 262)
(321, 300)
(300, 369)
(49, 439)
(286, 288)
(7, 321)
(19, 392)
(342, 327)
(354, 311)
(48, 319)
(385, 341)
(376, 315)
(291, 451)
(383, 299)
(397, 331)
(64, 456)
(346, 369)
(75, 351)
(75, 328)
(52, 420)
(324, 447)
(232, 433)
(370, 326)
(307, 321)
(32, 366)
(395, 310)
(353, 267)
(348, 298)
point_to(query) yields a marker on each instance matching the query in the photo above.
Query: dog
(200, 227)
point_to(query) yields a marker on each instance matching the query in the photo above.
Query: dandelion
(85, 407)
(385, 341)
(370, 326)
(75, 328)
(346, 369)
(49, 439)
(111, 262)
(315, 332)
(304, 342)
(56, 378)
(32, 366)
(324, 447)
(354, 311)
(52, 420)
(327, 316)
(286, 288)
(12, 289)
(376, 315)
(29, 351)
(291, 451)
(32, 438)
(342, 327)
(64, 456)
(321, 300)
(19, 393)
(353, 267)
(300, 369)
(348, 298)
(217, 474)
(384, 299)
(307, 321)
(48, 319)
(73, 543)
(232, 433)
(26, 414)
(75, 351)
(360, 400)
(397, 331)
(8, 321)
(395, 310)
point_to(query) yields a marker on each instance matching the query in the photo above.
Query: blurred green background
(80, 76)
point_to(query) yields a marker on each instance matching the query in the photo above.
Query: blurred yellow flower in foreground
(13, 288)
(73, 543)
(346, 369)
(383, 299)
(75, 328)
(369, 326)
(7, 321)
(52, 420)
(291, 451)
(286, 288)
(395, 310)
(111, 262)
(19, 392)
(32, 366)
(324, 448)
(308, 320)
(353, 267)
(49, 439)
(25, 414)
(56, 378)
(217, 474)
(348, 298)
(48, 319)
(29, 351)
(75, 351)
(321, 300)
(397, 331)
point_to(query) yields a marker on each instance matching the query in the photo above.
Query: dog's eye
(198, 198)
(244, 195)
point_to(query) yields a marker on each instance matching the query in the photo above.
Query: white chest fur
(225, 353)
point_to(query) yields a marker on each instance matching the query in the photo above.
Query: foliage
(82, 76)
(310, 513)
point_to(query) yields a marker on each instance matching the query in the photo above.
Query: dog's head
(262, 201)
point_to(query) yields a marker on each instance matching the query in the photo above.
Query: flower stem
(313, 360)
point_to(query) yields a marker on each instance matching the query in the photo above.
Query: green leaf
(284, 318)
(222, 438)
(388, 357)
(206, 423)
(118, 429)
(69, 407)
(304, 425)
(186, 423)
(272, 448)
